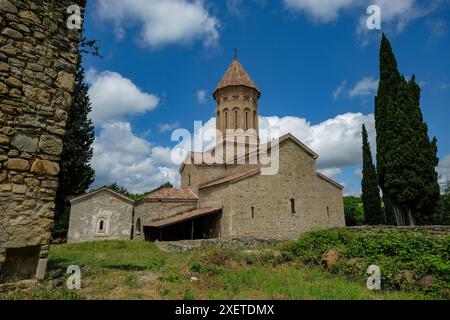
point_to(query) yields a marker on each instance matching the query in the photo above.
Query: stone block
(45, 167)
(65, 81)
(50, 144)
(25, 142)
(17, 165)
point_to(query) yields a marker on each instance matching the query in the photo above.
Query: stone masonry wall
(85, 214)
(38, 57)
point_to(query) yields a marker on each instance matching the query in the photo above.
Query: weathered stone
(5, 188)
(7, 6)
(19, 188)
(330, 258)
(32, 182)
(426, 282)
(30, 120)
(17, 165)
(40, 271)
(45, 167)
(13, 82)
(3, 88)
(9, 49)
(15, 93)
(4, 66)
(14, 34)
(65, 81)
(17, 179)
(25, 142)
(50, 144)
(4, 140)
(29, 15)
(20, 27)
(51, 184)
(404, 279)
(32, 105)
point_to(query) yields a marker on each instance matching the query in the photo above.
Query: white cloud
(337, 141)
(358, 172)
(235, 8)
(113, 96)
(444, 169)
(365, 87)
(339, 90)
(162, 22)
(122, 157)
(331, 172)
(202, 96)
(395, 14)
(320, 10)
(164, 127)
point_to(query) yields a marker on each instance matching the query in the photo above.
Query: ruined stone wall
(86, 213)
(38, 57)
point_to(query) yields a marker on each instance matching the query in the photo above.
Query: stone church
(228, 197)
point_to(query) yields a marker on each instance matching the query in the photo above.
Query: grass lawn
(139, 270)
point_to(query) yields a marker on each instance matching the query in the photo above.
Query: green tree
(119, 189)
(354, 212)
(442, 215)
(406, 158)
(370, 192)
(75, 172)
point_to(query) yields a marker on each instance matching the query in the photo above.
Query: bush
(392, 251)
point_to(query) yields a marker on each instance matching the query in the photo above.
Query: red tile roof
(183, 217)
(171, 194)
(231, 178)
(236, 76)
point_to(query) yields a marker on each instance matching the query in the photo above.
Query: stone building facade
(100, 215)
(233, 198)
(38, 58)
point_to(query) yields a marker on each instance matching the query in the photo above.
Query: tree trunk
(399, 215)
(411, 221)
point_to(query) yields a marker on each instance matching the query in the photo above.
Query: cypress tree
(369, 184)
(387, 90)
(75, 172)
(406, 158)
(426, 159)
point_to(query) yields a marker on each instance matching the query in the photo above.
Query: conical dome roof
(236, 76)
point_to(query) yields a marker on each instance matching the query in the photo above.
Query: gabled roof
(102, 189)
(329, 180)
(171, 194)
(236, 76)
(185, 216)
(192, 156)
(231, 178)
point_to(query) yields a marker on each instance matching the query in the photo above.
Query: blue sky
(315, 62)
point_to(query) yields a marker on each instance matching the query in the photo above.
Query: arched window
(292, 205)
(246, 120)
(253, 212)
(189, 180)
(254, 120)
(226, 120)
(328, 212)
(236, 119)
(138, 226)
(101, 226)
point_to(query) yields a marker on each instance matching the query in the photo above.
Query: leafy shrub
(196, 266)
(392, 251)
(171, 275)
